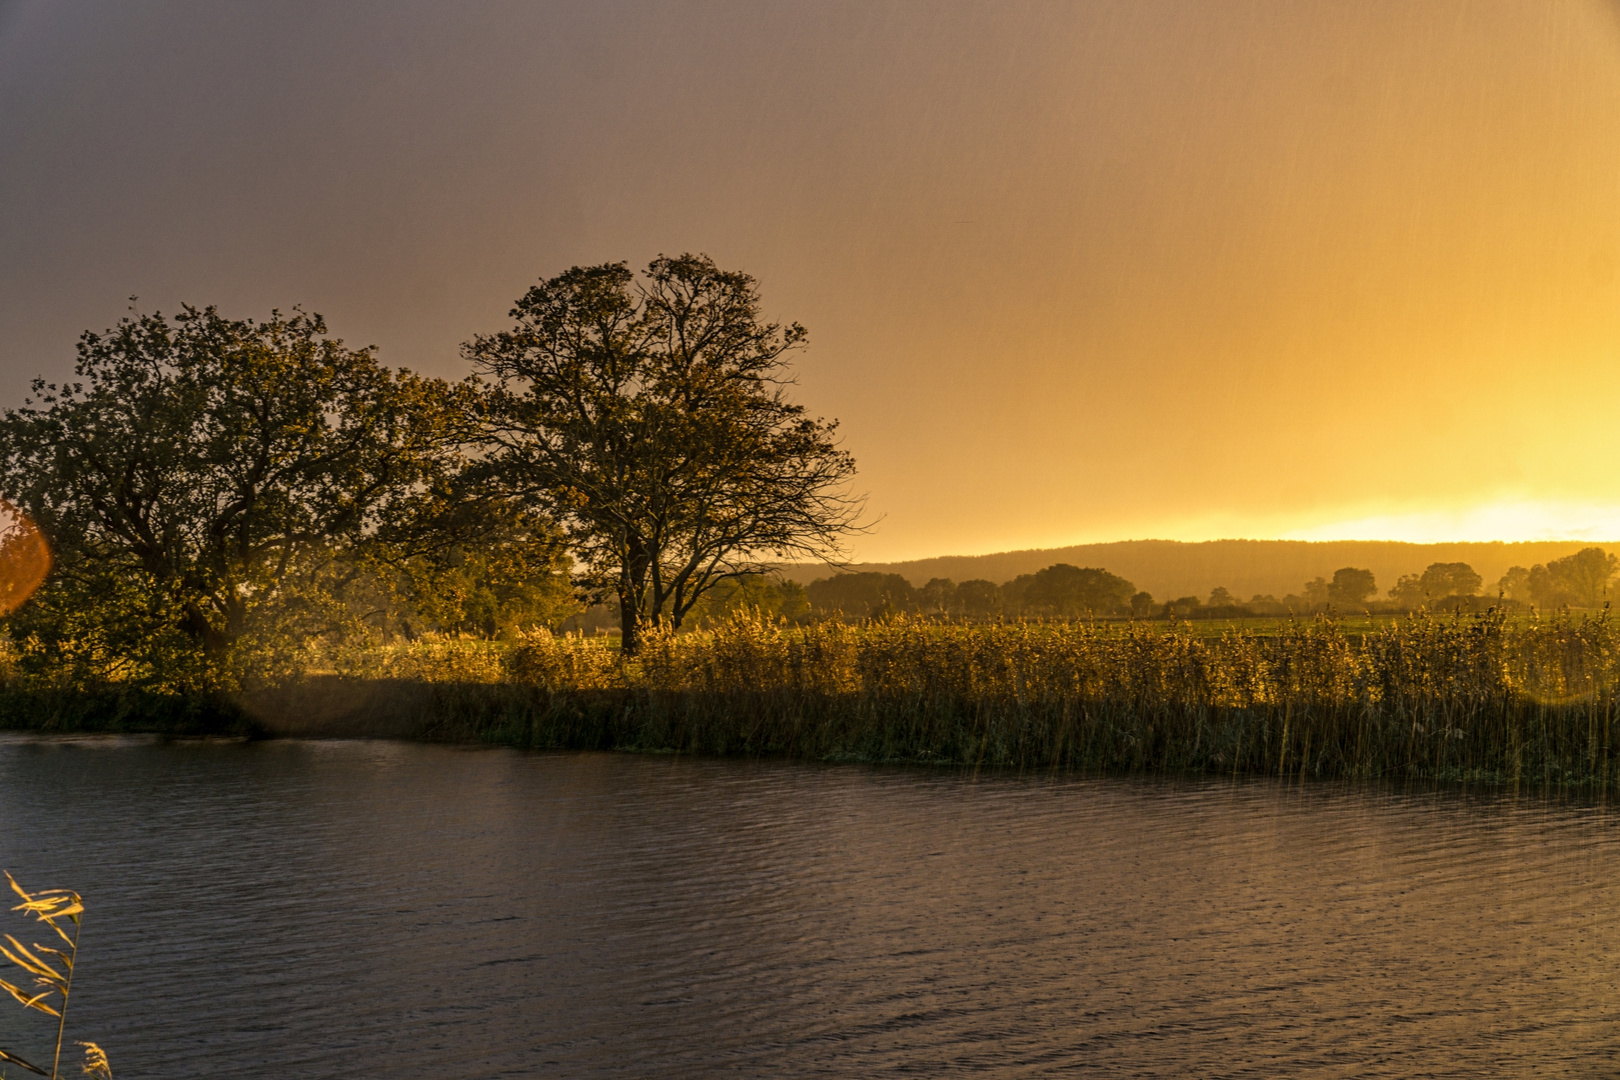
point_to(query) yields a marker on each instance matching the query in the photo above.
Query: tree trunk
(215, 644)
(632, 594)
(629, 623)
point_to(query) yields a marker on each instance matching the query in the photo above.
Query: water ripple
(392, 910)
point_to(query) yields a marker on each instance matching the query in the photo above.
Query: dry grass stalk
(52, 972)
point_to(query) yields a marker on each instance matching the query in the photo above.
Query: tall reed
(1467, 696)
(52, 972)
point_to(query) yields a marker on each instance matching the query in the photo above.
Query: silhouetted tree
(1580, 580)
(1182, 607)
(1065, 591)
(1407, 591)
(938, 597)
(868, 595)
(1450, 579)
(1316, 592)
(1141, 605)
(773, 597)
(978, 598)
(509, 573)
(1351, 587)
(1515, 584)
(651, 421)
(1221, 596)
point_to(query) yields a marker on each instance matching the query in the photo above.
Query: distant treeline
(1170, 568)
(1061, 591)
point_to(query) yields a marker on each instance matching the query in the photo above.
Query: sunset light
(1510, 521)
(810, 538)
(1070, 272)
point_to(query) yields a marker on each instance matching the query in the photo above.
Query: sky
(1072, 272)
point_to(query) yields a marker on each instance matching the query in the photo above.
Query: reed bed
(1467, 697)
(1470, 697)
(433, 658)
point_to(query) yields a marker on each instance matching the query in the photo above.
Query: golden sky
(1072, 272)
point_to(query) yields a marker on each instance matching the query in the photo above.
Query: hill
(1171, 568)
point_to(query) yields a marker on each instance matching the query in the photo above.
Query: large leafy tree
(210, 484)
(650, 418)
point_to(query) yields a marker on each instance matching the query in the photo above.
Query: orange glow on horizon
(1071, 272)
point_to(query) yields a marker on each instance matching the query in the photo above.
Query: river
(378, 909)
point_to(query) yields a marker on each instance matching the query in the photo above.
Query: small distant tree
(1182, 607)
(978, 599)
(1316, 592)
(938, 597)
(1351, 587)
(779, 598)
(1065, 591)
(1587, 574)
(792, 601)
(1141, 605)
(512, 577)
(651, 420)
(1545, 590)
(1450, 579)
(1515, 584)
(1221, 596)
(867, 595)
(1407, 591)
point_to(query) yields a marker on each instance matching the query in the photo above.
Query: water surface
(341, 909)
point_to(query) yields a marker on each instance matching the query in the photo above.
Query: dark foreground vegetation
(1481, 698)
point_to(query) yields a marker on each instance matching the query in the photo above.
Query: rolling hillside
(1170, 568)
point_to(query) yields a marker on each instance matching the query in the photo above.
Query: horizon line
(1223, 540)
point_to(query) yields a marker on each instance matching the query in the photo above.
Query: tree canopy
(1579, 580)
(1351, 587)
(1450, 579)
(868, 595)
(1064, 591)
(205, 482)
(650, 419)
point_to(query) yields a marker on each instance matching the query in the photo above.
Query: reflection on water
(394, 910)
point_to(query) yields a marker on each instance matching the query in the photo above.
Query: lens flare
(25, 558)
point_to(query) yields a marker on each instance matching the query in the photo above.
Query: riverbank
(1476, 698)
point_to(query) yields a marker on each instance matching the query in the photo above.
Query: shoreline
(1526, 744)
